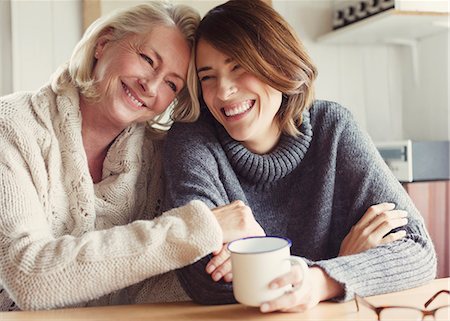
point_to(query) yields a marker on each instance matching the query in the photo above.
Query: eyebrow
(206, 68)
(160, 60)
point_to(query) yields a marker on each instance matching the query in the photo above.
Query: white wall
(426, 107)
(5, 48)
(201, 5)
(374, 82)
(44, 34)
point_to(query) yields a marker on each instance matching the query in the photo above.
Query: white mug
(256, 261)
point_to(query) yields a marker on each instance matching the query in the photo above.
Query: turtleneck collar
(268, 168)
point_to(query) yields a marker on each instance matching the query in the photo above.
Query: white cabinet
(391, 26)
(404, 25)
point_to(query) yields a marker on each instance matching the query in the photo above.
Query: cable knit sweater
(311, 189)
(65, 241)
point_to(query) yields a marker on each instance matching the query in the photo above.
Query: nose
(226, 89)
(149, 86)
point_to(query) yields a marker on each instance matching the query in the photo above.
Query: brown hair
(263, 43)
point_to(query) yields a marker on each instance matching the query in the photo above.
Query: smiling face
(139, 76)
(243, 104)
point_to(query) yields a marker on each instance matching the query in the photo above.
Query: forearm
(393, 267)
(149, 291)
(69, 270)
(326, 287)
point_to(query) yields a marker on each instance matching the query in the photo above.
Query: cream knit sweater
(65, 241)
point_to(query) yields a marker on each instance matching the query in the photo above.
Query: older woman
(303, 166)
(80, 172)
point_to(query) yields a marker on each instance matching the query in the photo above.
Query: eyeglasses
(405, 313)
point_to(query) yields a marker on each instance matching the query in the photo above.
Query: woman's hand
(237, 221)
(372, 228)
(220, 265)
(316, 286)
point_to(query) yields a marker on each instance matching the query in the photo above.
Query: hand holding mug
(259, 261)
(316, 286)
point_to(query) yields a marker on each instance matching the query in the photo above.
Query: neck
(265, 144)
(98, 135)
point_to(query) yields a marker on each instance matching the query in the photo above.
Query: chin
(240, 137)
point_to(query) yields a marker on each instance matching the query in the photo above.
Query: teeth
(237, 110)
(133, 99)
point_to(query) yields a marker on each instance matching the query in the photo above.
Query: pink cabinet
(433, 201)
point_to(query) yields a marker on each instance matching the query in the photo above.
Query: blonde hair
(263, 43)
(136, 20)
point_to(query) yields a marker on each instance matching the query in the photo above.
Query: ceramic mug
(256, 261)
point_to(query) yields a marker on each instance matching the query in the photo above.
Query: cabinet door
(433, 201)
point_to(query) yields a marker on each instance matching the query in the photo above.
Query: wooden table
(187, 311)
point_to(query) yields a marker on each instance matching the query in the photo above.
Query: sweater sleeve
(42, 271)
(193, 174)
(396, 266)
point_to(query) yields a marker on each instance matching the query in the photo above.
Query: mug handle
(296, 260)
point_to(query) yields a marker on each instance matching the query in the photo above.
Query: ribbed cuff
(394, 267)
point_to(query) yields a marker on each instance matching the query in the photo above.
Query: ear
(100, 46)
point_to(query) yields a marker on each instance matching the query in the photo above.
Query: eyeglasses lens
(443, 314)
(400, 314)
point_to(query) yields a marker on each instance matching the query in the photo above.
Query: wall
(201, 5)
(374, 82)
(426, 107)
(365, 79)
(43, 36)
(5, 48)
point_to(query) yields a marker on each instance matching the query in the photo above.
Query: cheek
(276, 98)
(208, 96)
(165, 98)
(273, 99)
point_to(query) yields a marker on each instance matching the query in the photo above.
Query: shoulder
(192, 140)
(11, 106)
(22, 106)
(199, 132)
(329, 112)
(335, 127)
(330, 119)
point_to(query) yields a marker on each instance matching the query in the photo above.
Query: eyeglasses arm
(360, 299)
(435, 296)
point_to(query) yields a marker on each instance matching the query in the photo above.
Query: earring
(96, 55)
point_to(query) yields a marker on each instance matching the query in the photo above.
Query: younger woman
(303, 166)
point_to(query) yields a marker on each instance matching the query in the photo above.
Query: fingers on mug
(298, 261)
(256, 262)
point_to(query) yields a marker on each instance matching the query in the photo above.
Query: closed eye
(147, 59)
(204, 78)
(172, 86)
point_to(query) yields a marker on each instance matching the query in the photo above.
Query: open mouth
(133, 98)
(238, 109)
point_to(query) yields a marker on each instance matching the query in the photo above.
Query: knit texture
(65, 241)
(311, 189)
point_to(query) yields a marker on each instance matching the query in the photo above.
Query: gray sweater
(311, 189)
